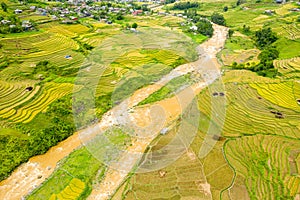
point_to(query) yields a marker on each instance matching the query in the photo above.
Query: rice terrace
(150, 99)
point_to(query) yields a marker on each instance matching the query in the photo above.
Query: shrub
(218, 19)
(205, 27)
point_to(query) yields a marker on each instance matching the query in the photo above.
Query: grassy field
(239, 48)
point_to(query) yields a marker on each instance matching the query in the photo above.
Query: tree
(169, 1)
(265, 37)
(239, 2)
(246, 29)
(225, 9)
(218, 19)
(134, 25)
(120, 17)
(230, 33)
(4, 6)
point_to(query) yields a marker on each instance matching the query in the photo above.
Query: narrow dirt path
(33, 173)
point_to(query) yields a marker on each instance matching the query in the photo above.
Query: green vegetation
(38, 70)
(134, 25)
(266, 169)
(4, 6)
(59, 126)
(257, 154)
(205, 27)
(73, 179)
(82, 169)
(218, 19)
(265, 37)
(198, 38)
(168, 90)
(185, 5)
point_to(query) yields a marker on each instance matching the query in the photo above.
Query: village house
(18, 11)
(137, 12)
(5, 21)
(269, 12)
(194, 28)
(32, 8)
(73, 18)
(295, 9)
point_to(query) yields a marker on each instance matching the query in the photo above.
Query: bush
(230, 33)
(120, 17)
(134, 25)
(205, 27)
(4, 6)
(218, 19)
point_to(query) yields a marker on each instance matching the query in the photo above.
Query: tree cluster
(218, 19)
(185, 5)
(16, 150)
(4, 6)
(205, 27)
(169, 1)
(264, 39)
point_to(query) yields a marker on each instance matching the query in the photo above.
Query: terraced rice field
(72, 191)
(134, 65)
(281, 94)
(66, 30)
(285, 9)
(249, 112)
(290, 68)
(186, 178)
(291, 31)
(19, 105)
(182, 180)
(82, 169)
(266, 170)
(54, 49)
(73, 178)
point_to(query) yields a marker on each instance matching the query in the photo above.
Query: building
(18, 11)
(137, 12)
